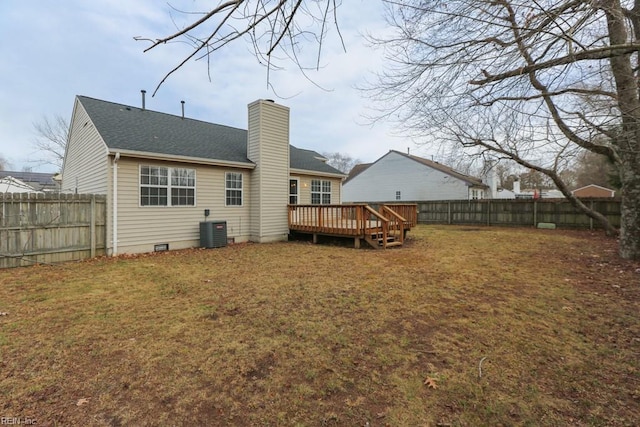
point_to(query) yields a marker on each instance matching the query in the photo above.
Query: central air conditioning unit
(213, 234)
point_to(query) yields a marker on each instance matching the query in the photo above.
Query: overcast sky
(54, 50)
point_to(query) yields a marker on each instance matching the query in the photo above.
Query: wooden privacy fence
(48, 228)
(519, 212)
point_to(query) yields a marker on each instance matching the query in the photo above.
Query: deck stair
(381, 229)
(377, 240)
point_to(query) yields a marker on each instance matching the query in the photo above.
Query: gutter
(316, 173)
(114, 225)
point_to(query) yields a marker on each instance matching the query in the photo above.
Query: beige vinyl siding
(304, 196)
(86, 163)
(268, 148)
(142, 227)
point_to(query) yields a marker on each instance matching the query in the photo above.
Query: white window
(320, 192)
(183, 187)
(398, 195)
(477, 194)
(233, 189)
(293, 191)
(163, 186)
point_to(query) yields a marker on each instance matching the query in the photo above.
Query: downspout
(114, 225)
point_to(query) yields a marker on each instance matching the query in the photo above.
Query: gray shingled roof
(309, 160)
(124, 127)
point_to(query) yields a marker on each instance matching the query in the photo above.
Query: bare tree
(272, 27)
(591, 168)
(51, 140)
(534, 82)
(3, 163)
(343, 162)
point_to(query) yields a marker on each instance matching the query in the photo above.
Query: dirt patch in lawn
(459, 328)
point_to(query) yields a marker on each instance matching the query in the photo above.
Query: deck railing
(395, 225)
(407, 211)
(355, 220)
(333, 219)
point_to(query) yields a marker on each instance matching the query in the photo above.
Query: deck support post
(356, 242)
(315, 238)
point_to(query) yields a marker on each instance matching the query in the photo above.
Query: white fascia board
(316, 173)
(181, 159)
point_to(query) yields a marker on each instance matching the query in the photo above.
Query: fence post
(489, 212)
(535, 212)
(449, 213)
(93, 226)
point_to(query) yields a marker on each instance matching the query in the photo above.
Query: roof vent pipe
(143, 92)
(182, 102)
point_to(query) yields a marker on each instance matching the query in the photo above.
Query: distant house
(163, 173)
(38, 181)
(9, 184)
(397, 176)
(593, 191)
(532, 193)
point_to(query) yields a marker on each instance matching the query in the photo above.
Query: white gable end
(395, 173)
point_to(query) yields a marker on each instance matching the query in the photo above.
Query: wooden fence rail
(49, 228)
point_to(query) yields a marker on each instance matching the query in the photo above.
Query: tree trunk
(630, 207)
(628, 147)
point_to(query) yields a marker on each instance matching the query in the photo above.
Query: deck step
(391, 241)
(390, 244)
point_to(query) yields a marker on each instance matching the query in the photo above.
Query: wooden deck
(384, 228)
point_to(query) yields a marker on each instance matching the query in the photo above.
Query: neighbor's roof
(358, 169)
(11, 184)
(595, 186)
(127, 128)
(41, 179)
(446, 169)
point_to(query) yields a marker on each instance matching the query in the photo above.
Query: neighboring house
(551, 194)
(517, 193)
(161, 173)
(9, 184)
(38, 181)
(503, 193)
(593, 191)
(403, 177)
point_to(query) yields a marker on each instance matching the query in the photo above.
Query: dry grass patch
(301, 334)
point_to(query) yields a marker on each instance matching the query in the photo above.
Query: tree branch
(593, 54)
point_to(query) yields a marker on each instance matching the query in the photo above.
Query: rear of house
(161, 172)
